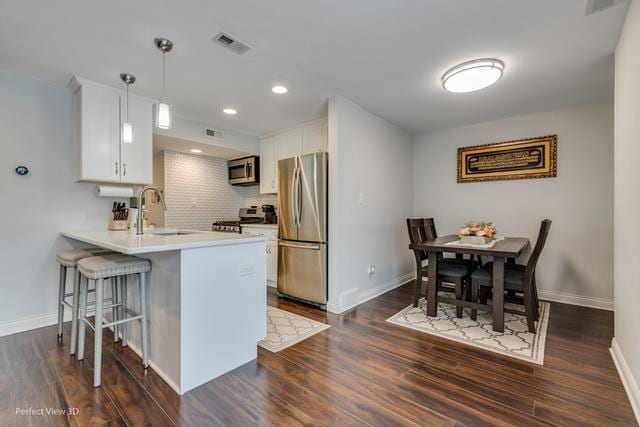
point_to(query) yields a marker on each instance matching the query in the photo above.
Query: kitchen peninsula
(207, 299)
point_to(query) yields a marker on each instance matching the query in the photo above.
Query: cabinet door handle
(116, 168)
(124, 169)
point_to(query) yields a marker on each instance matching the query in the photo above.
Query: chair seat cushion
(104, 266)
(446, 269)
(513, 279)
(70, 257)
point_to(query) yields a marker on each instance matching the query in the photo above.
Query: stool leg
(114, 310)
(124, 307)
(143, 312)
(61, 290)
(97, 348)
(74, 311)
(84, 295)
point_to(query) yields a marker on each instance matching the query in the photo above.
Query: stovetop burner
(226, 226)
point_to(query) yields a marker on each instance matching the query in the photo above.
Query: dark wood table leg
(432, 285)
(498, 294)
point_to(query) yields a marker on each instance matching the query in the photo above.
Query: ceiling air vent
(218, 134)
(231, 43)
(595, 6)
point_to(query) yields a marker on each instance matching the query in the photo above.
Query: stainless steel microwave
(244, 171)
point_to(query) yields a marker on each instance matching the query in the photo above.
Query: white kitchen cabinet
(314, 137)
(288, 143)
(137, 156)
(268, 166)
(271, 249)
(308, 138)
(100, 155)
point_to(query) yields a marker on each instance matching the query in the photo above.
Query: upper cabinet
(100, 153)
(288, 143)
(268, 165)
(303, 139)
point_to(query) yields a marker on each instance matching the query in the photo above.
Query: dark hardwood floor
(361, 371)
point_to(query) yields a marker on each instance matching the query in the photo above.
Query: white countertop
(131, 244)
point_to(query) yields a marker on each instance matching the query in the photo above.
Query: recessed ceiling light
(196, 151)
(230, 111)
(279, 90)
(473, 75)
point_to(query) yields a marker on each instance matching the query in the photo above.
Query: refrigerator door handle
(294, 197)
(299, 197)
(293, 245)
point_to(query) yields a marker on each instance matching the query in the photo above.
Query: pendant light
(127, 127)
(163, 108)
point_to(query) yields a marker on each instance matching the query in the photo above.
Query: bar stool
(113, 266)
(69, 259)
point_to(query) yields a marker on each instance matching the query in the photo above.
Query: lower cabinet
(271, 249)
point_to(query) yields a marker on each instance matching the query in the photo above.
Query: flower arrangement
(477, 232)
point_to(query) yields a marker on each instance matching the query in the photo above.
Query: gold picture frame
(518, 159)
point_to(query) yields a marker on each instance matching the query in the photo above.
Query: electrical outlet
(247, 270)
(372, 269)
(361, 198)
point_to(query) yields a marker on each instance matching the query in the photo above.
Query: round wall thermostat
(22, 170)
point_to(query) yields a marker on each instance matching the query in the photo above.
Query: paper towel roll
(111, 191)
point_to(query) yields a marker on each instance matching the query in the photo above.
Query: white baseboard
(21, 325)
(362, 297)
(629, 383)
(600, 303)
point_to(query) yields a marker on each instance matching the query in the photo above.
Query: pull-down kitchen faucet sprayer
(140, 219)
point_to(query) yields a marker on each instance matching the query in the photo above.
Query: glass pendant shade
(127, 132)
(163, 115)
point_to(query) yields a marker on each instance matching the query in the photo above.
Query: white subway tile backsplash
(197, 192)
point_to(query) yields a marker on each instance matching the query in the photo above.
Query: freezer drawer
(302, 270)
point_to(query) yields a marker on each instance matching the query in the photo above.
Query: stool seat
(70, 257)
(104, 266)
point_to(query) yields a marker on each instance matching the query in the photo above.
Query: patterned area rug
(516, 341)
(284, 329)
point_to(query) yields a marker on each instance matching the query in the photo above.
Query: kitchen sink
(170, 232)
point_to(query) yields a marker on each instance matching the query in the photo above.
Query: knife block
(118, 225)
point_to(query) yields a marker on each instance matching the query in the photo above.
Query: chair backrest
(420, 230)
(545, 225)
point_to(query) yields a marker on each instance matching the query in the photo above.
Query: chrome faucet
(140, 219)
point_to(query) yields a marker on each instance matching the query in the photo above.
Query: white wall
(36, 131)
(626, 345)
(368, 156)
(577, 263)
(197, 192)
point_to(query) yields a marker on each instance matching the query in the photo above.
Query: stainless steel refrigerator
(302, 246)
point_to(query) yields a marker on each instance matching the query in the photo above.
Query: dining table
(503, 249)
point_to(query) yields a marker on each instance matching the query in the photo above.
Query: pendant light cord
(164, 97)
(127, 102)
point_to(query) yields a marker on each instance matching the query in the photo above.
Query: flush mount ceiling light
(279, 90)
(127, 127)
(473, 75)
(196, 151)
(163, 108)
(230, 111)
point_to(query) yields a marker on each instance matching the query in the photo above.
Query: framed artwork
(520, 159)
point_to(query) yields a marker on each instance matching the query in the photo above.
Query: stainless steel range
(252, 215)
(226, 226)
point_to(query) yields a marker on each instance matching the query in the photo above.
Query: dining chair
(420, 230)
(517, 278)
